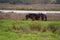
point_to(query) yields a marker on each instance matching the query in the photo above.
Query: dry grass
(30, 7)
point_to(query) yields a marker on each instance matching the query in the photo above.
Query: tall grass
(30, 26)
(29, 30)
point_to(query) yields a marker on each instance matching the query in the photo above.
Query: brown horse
(38, 16)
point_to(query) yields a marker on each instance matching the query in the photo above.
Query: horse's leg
(27, 17)
(45, 18)
(33, 18)
(42, 18)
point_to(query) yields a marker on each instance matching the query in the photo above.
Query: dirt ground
(20, 16)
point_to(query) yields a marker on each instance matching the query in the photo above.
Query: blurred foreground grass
(29, 30)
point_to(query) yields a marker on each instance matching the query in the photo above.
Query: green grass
(8, 33)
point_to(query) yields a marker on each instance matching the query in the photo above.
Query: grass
(20, 30)
(30, 9)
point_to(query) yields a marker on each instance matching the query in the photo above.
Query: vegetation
(28, 1)
(37, 7)
(45, 9)
(29, 30)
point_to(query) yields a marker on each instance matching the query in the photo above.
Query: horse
(36, 16)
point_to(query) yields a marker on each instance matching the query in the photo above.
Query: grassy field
(29, 30)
